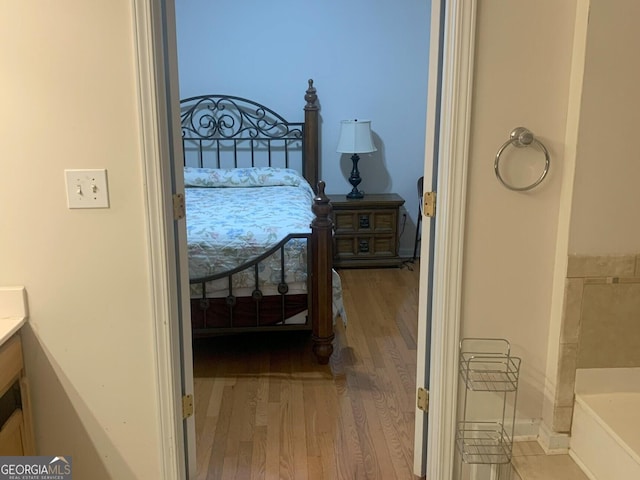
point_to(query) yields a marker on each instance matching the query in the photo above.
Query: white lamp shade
(355, 137)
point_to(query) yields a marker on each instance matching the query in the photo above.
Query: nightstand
(366, 230)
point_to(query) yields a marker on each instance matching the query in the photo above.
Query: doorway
(451, 184)
(398, 114)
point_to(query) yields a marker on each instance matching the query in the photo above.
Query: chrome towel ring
(522, 137)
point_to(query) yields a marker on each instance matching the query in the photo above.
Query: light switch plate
(87, 188)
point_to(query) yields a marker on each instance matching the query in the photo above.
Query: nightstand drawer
(365, 246)
(378, 221)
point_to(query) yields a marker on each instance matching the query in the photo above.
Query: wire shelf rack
(483, 442)
(488, 393)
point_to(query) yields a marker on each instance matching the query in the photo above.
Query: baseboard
(553, 443)
(582, 466)
(526, 430)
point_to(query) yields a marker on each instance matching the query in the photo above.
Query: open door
(185, 387)
(447, 140)
(427, 243)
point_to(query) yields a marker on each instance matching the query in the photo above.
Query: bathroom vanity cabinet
(16, 428)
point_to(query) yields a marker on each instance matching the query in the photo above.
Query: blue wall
(368, 60)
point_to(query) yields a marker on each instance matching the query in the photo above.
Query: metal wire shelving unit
(484, 434)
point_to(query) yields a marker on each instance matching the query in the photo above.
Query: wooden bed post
(311, 150)
(321, 281)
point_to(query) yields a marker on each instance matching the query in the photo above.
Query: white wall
(522, 78)
(68, 95)
(368, 60)
(517, 244)
(606, 195)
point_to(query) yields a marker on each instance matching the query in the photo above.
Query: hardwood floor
(265, 409)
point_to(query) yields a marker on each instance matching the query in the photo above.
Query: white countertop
(13, 311)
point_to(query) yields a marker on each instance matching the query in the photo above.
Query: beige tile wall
(600, 325)
(610, 330)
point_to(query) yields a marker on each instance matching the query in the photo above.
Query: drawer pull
(364, 246)
(364, 221)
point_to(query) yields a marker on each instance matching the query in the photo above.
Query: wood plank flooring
(266, 410)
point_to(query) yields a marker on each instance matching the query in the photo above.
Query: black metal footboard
(260, 310)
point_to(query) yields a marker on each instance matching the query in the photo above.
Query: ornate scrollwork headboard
(224, 131)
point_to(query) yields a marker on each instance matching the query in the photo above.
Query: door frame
(157, 89)
(155, 47)
(458, 43)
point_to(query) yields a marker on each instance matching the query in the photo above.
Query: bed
(259, 227)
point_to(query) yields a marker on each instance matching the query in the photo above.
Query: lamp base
(355, 179)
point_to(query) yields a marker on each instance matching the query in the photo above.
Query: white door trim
(161, 232)
(455, 119)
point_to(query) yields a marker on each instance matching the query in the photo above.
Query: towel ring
(522, 137)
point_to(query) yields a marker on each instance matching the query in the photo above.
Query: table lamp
(355, 138)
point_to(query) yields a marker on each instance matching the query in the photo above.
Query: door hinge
(429, 206)
(187, 406)
(178, 206)
(423, 399)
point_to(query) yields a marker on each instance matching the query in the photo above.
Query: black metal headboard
(224, 131)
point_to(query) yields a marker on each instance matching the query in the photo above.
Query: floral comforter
(234, 215)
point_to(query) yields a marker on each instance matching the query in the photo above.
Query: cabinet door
(12, 435)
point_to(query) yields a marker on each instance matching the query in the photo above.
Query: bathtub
(605, 432)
